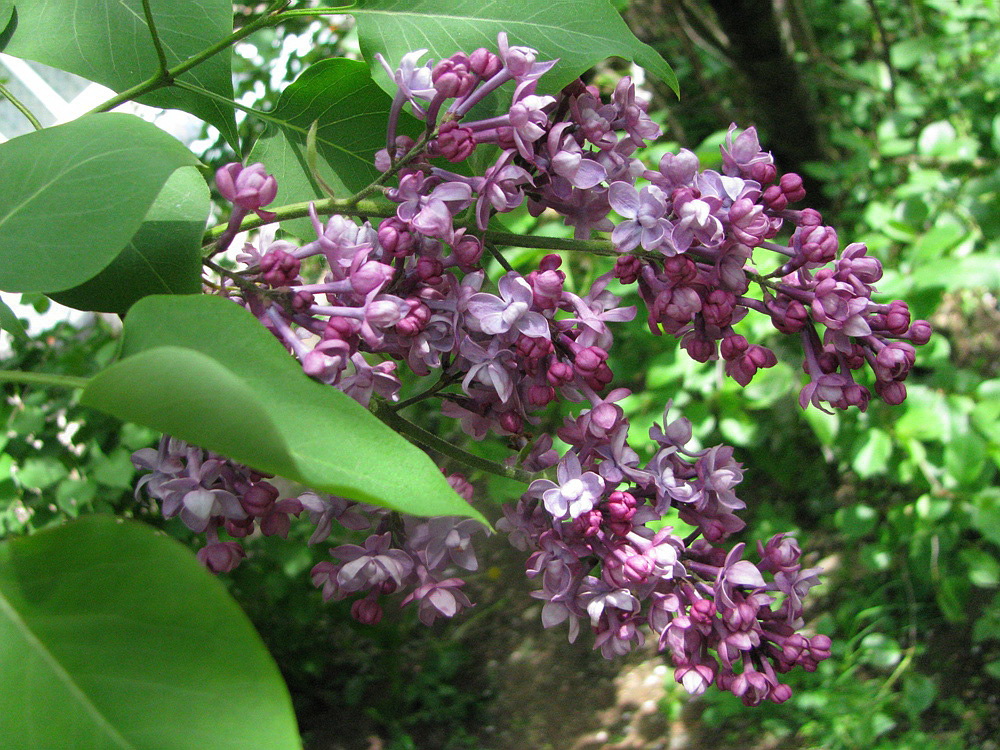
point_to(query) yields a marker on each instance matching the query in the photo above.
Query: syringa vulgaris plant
(261, 355)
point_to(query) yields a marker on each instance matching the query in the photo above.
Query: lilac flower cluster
(413, 290)
(211, 493)
(594, 549)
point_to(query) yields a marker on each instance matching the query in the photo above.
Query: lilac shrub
(412, 292)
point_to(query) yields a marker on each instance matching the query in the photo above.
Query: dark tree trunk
(787, 113)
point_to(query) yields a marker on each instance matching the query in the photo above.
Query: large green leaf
(110, 43)
(9, 322)
(205, 370)
(580, 33)
(114, 636)
(6, 11)
(164, 256)
(351, 113)
(72, 196)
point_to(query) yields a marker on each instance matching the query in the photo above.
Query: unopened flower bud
(920, 332)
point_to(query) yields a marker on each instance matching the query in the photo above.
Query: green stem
(227, 101)
(42, 378)
(307, 12)
(160, 55)
(498, 257)
(298, 210)
(595, 247)
(161, 79)
(443, 382)
(384, 411)
(20, 107)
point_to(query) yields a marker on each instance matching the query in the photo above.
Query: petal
(624, 199)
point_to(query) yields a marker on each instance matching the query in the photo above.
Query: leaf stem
(42, 378)
(316, 11)
(384, 411)
(443, 382)
(160, 55)
(20, 107)
(161, 80)
(298, 210)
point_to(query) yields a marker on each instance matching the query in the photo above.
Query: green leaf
(6, 11)
(926, 417)
(936, 241)
(37, 473)
(116, 637)
(9, 322)
(982, 568)
(880, 651)
(72, 196)
(205, 370)
(111, 44)
(856, 521)
(919, 692)
(352, 114)
(580, 33)
(965, 456)
(986, 513)
(952, 595)
(164, 256)
(873, 454)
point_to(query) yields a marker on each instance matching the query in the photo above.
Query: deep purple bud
(920, 332)
(302, 301)
(589, 523)
(454, 142)
(484, 63)
(462, 486)
(897, 320)
(221, 557)
(279, 268)
(892, 392)
(454, 77)
(762, 172)
(894, 361)
(249, 187)
(258, 499)
(718, 308)
(342, 329)
(511, 422)
(367, 611)
(371, 275)
(559, 373)
(791, 186)
(468, 250)
(588, 360)
(540, 395)
(394, 235)
(546, 288)
(810, 217)
(627, 268)
(698, 348)
(733, 346)
(415, 319)
(774, 199)
(429, 270)
(679, 269)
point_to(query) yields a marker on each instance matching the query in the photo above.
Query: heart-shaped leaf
(164, 256)
(110, 43)
(114, 636)
(580, 33)
(205, 370)
(351, 113)
(9, 322)
(72, 196)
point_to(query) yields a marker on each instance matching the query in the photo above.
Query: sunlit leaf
(114, 636)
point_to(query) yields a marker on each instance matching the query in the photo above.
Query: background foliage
(900, 505)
